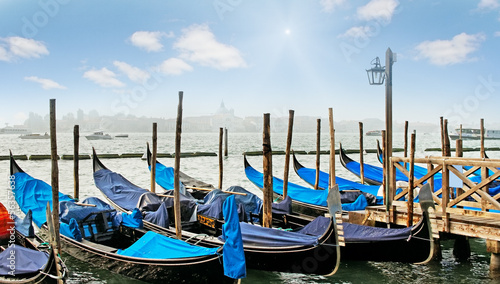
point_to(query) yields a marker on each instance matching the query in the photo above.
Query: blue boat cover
(282, 207)
(370, 191)
(129, 196)
(233, 254)
(31, 193)
(26, 261)
(70, 210)
(71, 230)
(165, 178)
(157, 246)
(295, 191)
(25, 225)
(360, 234)
(316, 227)
(259, 236)
(247, 204)
(158, 217)
(359, 204)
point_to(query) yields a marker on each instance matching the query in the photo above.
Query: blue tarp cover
(233, 254)
(71, 230)
(26, 260)
(357, 233)
(165, 178)
(31, 193)
(260, 236)
(25, 225)
(309, 176)
(359, 204)
(158, 217)
(129, 196)
(295, 191)
(156, 246)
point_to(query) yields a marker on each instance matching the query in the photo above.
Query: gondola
(365, 243)
(306, 200)
(165, 178)
(372, 174)
(309, 176)
(94, 232)
(418, 170)
(24, 257)
(265, 248)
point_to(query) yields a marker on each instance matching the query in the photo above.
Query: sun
(287, 31)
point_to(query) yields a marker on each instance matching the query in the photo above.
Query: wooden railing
(471, 198)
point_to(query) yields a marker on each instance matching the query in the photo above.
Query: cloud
(19, 47)
(488, 4)
(149, 41)
(46, 84)
(330, 5)
(357, 32)
(496, 34)
(103, 77)
(198, 44)
(447, 52)
(174, 66)
(133, 73)
(378, 10)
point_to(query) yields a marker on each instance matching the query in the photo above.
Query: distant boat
(374, 133)
(99, 135)
(14, 130)
(121, 135)
(475, 134)
(35, 136)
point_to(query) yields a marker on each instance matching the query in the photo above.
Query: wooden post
(268, 173)
(221, 169)
(460, 131)
(445, 197)
(361, 162)
(385, 181)
(55, 184)
(225, 143)
(318, 142)
(409, 221)
(76, 158)
(177, 200)
(331, 179)
(442, 135)
(389, 60)
(287, 153)
(483, 154)
(153, 158)
(447, 149)
(406, 141)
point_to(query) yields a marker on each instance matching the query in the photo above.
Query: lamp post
(376, 76)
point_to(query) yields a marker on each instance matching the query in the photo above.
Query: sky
(256, 56)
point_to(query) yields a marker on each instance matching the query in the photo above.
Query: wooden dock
(467, 210)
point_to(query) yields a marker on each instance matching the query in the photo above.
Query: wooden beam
(361, 162)
(331, 180)
(153, 158)
(177, 199)
(318, 143)
(287, 152)
(221, 162)
(268, 173)
(76, 146)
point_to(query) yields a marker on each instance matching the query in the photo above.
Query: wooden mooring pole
(318, 142)
(406, 141)
(331, 180)
(153, 158)
(76, 158)
(268, 173)
(409, 221)
(225, 143)
(287, 152)
(177, 200)
(55, 187)
(361, 156)
(221, 166)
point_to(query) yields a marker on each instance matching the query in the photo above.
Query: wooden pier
(467, 210)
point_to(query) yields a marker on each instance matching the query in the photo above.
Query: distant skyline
(133, 57)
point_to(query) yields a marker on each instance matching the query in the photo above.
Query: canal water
(447, 270)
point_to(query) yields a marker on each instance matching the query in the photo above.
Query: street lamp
(376, 76)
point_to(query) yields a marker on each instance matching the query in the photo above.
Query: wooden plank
(287, 152)
(177, 164)
(268, 173)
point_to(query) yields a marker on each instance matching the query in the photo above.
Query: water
(475, 270)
